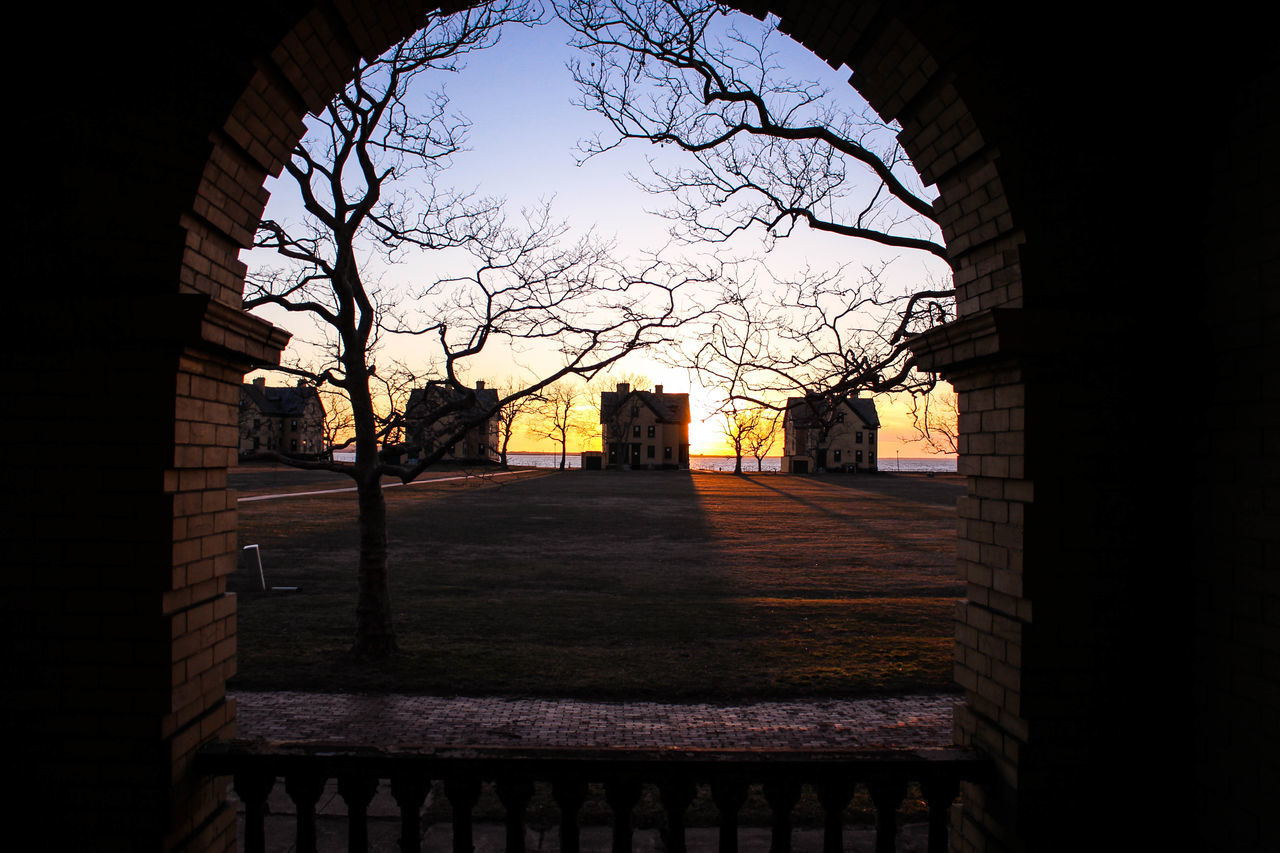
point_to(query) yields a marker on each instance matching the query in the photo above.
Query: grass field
(606, 585)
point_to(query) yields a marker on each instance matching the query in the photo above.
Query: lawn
(607, 585)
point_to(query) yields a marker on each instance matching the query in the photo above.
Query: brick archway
(1078, 270)
(902, 79)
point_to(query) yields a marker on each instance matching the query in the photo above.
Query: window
(652, 430)
(651, 450)
(293, 425)
(635, 411)
(871, 457)
(293, 445)
(839, 417)
(871, 439)
(858, 437)
(666, 453)
(837, 455)
(858, 456)
(635, 431)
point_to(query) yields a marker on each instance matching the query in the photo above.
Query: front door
(635, 456)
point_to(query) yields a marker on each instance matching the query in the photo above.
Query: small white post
(261, 576)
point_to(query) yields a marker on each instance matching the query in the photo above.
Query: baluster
(515, 795)
(569, 795)
(462, 794)
(782, 796)
(887, 796)
(410, 792)
(939, 794)
(622, 796)
(252, 789)
(305, 790)
(834, 796)
(357, 792)
(729, 794)
(677, 795)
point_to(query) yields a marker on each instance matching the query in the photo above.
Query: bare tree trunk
(737, 464)
(375, 636)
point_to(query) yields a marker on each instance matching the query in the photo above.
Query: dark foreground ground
(657, 586)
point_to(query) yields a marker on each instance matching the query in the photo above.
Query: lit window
(652, 430)
(666, 453)
(857, 456)
(837, 455)
(635, 431)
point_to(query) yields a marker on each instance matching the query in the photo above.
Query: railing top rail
(238, 756)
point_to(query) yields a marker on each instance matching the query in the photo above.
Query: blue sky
(522, 147)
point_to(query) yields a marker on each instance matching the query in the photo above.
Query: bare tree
(767, 153)
(512, 415)
(936, 418)
(760, 433)
(366, 177)
(557, 415)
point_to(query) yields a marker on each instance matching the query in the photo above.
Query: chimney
(624, 388)
(260, 383)
(479, 384)
(657, 389)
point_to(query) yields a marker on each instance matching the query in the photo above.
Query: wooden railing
(306, 769)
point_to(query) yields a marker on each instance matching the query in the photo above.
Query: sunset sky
(521, 146)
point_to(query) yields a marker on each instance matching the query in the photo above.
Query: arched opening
(1075, 622)
(954, 157)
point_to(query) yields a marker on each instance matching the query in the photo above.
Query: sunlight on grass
(659, 586)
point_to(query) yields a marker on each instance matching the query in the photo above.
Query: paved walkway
(910, 722)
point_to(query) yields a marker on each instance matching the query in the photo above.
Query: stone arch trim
(898, 74)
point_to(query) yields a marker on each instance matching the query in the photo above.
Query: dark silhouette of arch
(1108, 193)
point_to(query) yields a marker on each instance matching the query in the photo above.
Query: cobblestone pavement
(908, 722)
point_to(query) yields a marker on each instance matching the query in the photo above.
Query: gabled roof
(808, 411)
(436, 394)
(667, 408)
(288, 402)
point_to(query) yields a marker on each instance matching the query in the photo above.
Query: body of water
(725, 463)
(721, 463)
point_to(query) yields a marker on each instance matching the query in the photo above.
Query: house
(286, 420)
(821, 436)
(426, 426)
(644, 429)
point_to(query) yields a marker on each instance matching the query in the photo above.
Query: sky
(522, 146)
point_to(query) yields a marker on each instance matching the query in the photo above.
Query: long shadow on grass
(900, 525)
(850, 600)
(601, 585)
